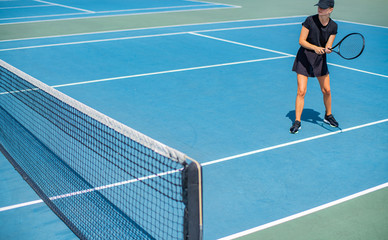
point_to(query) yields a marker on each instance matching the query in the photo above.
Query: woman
(316, 39)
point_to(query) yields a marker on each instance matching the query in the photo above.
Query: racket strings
(352, 46)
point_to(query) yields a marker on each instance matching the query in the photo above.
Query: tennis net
(102, 178)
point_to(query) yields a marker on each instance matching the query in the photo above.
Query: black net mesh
(96, 178)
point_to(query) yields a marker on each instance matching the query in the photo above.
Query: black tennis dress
(307, 62)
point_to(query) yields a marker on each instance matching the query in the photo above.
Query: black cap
(325, 4)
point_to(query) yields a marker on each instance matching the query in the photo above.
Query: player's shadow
(309, 115)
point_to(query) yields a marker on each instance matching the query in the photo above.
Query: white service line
(196, 33)
(304, 213)
(60, 5)
(168, 71)
(241, 44)
(283, 53)
(151, 74)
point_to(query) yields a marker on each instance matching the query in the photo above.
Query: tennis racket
(350, 47)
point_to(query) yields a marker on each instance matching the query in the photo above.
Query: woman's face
(324, 12)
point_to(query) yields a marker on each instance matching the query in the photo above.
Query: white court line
(65, 6)
(103, 16)
(185, 69)
(247, 27)
(271, 148)
(204, 164)
(214, 3)
(19, 91)
(363, 24)
(283, 53)
(127, 11)
(238, 43)
(358, 70)
(154, 73)
(168, 71)
(304, 213)
(155, 8)
(139, 36)
(31, 6)
(191, 24)
(293, 142)
(2, 209)
(115, 184)
(150, 28)
(91, 41)
(193, 33)
(44, 16)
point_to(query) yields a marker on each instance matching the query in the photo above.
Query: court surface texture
(214, 80)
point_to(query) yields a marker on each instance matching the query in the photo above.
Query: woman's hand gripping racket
(350, 47)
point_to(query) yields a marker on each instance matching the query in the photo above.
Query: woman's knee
(302, 85)
(324, 82)
(302, 92)
(326, 91)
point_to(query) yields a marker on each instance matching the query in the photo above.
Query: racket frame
(339, 46)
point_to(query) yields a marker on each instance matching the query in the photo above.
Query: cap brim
(323, 6)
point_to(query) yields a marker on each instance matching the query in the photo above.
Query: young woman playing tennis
(316, 39)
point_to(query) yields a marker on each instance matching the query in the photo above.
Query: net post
(192, 198)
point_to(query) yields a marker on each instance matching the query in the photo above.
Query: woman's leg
(324, 82)
(299, 102)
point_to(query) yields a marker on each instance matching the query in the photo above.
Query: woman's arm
(303, 42)
(329, 44)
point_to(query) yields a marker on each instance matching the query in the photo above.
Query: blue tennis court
(223, 93)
